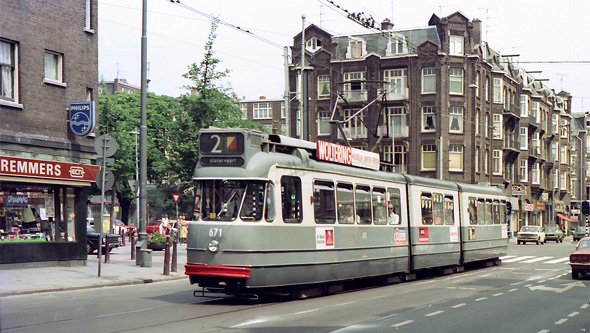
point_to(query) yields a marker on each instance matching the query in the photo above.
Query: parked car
(553, 233)
(579, 233)
(118, 225)
(156, 226)
(92, 240)
(530, 233)
(580, 259)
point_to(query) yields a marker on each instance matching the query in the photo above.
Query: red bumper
(217, 271)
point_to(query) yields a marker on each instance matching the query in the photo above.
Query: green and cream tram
(276, 214)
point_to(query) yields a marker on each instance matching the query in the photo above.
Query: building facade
(48, 73)
(439, 102)
(117, 85)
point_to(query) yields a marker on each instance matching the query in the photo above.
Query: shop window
(37, 213)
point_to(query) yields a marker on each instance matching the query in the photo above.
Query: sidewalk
(120, 271)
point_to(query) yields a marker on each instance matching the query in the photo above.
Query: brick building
(110, 87)
(48, 60)
(440, 102)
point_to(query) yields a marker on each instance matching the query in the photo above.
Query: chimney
(476, 32)
(386, 25)
(262, 97)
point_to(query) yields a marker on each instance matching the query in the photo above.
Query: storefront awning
(565, 218)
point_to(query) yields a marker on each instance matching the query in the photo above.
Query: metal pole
(303, 101)
(287, 94)
(145, 256)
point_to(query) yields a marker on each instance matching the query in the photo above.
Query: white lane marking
(480, 299)
(498, 294)
(529, 261)
(250, 322)
(402, 323)
(584, 306)
(573, 314)
(544, 331)
(434, 313)
(557, 261)
(458, 305)
(506, 257)
(561, 321)
(518, 259)
(307, 311)
(512, 290)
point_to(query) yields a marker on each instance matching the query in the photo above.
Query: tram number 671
(215, 232)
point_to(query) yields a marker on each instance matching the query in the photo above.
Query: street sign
(108, 142)
(109, 179)
(519, 189)
(175, 196)
(133, 185)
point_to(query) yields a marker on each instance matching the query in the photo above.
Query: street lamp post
(136, 194)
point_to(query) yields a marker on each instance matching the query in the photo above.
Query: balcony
(533, 121)
(354, 132)
(355, 95)
(534, 152)
(513, 110)
(401, 168)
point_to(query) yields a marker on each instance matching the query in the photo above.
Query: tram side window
(496, 212)
(472, 210)
(324, 200)
(363, 204)
(437, 208)
(481, 211)
(394, 202)
(449, 210)
(345, 201)
(426, 203)
(489, 213)
(291, 198)
(379, 206)
(503, 218)
(269, 211)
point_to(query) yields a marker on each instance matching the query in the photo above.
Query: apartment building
(48, 85)
(440, 102)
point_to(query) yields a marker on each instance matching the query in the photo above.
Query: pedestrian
(183, 228)
(164, 225)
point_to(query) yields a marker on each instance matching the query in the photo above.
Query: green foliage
(156, 238)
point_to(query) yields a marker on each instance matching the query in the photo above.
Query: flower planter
(156, 246)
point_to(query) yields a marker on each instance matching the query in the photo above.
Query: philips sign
(82, 117)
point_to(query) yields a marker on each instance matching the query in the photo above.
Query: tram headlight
(213, 246)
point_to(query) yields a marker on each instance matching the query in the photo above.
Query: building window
(486, 158)
(563, 154)
(88, 17)
(397, 83)
(428, 157)
(555, 124)
(324, 123)
(313, 44)
(262, 110)
(456, 119)
(244, 108)
(399, 157)
(498, 128)
(323, 86)
(53, 68)
(397, 122)
(564, 129)
(524, 105)
(563, 181)
(497, 162)
(456, 81)
(535, 110)
(354, 86)
(397, 45)
(428, 80)
(456, 45)
(455, 158)
(356, 48)
(524, 138)
(477, 159)
(354, 127)
(282, 110)
(498, 90)
(8, 73)
(487, 125)
(476, 84)
(554, 152)
(476, 122)
(487, 89)
(524, 166)
(428, 120)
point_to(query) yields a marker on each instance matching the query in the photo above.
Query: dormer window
(456, 45)
(313, 44)
(398, 44)
(356, 48)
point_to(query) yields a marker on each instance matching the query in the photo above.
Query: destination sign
(222, 161)
(221, 143)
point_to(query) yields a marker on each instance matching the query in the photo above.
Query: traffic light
(585, 207)
(508, 207)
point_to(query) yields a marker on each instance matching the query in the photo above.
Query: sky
(549, 36)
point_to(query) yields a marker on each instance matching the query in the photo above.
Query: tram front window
(222, 200)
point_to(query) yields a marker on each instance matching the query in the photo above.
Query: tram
(275, 214)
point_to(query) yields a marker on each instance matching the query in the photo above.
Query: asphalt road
(531, 291)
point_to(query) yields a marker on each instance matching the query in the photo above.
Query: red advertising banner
(26, 167)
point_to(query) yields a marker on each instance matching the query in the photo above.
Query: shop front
(43, 208)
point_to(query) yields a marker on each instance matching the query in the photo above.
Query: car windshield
(530, 229)
(552, 229)
(585, 244)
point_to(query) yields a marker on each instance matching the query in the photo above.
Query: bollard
(132, 244)
(107, 249)
(167, 257)
(145, 257)
(174, 256)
